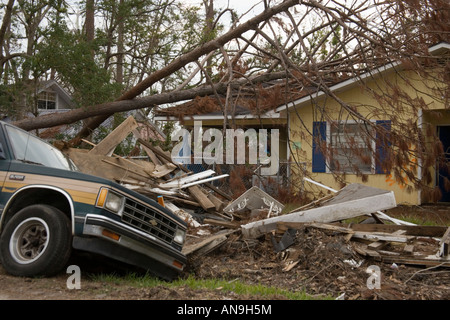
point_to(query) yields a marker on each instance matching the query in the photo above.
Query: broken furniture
(255, 199)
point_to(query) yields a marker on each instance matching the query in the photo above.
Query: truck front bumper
(110, 238)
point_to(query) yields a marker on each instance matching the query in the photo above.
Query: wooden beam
(221, 223)
(201, 197)
(425, 231)
(107, 145)
(325, 226)
(381, 236)
(352, 201)
(206, 243)
(168, 158)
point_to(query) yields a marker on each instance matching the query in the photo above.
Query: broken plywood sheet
(255, 198)
(351, 201)
(111, 168)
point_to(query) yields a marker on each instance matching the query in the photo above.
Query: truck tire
(36, 242)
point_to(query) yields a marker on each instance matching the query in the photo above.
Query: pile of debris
(395, 241)
(154, 175)
(256, 219)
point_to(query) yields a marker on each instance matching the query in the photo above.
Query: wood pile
(155, 176)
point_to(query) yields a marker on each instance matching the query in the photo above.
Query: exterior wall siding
(302, 119)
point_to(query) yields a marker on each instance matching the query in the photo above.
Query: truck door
(4, 166)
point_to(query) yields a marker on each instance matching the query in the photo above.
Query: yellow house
(326, 129)
(352, 132)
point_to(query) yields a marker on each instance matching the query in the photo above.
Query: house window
(351, 147)
(47, 100)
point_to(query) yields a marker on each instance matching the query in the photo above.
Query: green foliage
(222, 285)
(72, 57)
(6, 100)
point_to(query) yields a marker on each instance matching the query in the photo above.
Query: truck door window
(30, 149)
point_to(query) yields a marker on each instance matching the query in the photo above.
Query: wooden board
(201, 198)
(108, 144)
(425, 231)
(352, 201)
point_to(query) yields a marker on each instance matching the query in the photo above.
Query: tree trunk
(184, 59)
(5, 25)
(51, 120)
(120, 46)
(90, 20)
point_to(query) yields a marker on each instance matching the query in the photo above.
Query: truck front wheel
(36, 242)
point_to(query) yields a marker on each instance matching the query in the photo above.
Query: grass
(236, 286)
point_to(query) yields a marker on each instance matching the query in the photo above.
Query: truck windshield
(30, 149)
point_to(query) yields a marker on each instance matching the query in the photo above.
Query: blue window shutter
(319, 136)
(383, 144)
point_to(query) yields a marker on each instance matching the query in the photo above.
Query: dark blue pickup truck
(48, 208)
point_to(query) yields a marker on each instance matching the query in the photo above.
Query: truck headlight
(179, 236)
(110, 200)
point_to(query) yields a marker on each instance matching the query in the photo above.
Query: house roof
(268, 100)
(55, 86)
(437, 49)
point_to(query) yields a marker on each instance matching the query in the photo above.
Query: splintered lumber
(147, 150)
(204, 180)
(207, 245)
(110, 168)
(378, 214)
(283, 226)
(169, 159)
(221, 223)
(182, 214)
(351, 201)
(125, 168)
(364, 250)
(424, 231)
(381, 236)
(408, 249)
(178, 183)
(162, 170)
(217, 202)
(108, 144)
(201, 197)
(429, 261)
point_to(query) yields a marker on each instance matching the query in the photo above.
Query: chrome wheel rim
(29, 240)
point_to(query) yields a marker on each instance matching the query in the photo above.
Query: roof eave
(436, 49)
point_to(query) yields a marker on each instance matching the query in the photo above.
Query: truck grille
(148, 220)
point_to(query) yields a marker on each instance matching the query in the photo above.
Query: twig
(433, 267)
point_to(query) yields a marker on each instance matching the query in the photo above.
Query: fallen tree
(107, 109)
(100, 113)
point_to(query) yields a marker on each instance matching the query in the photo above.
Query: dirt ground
(320, 263)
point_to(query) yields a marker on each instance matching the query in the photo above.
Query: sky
(241, 6)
